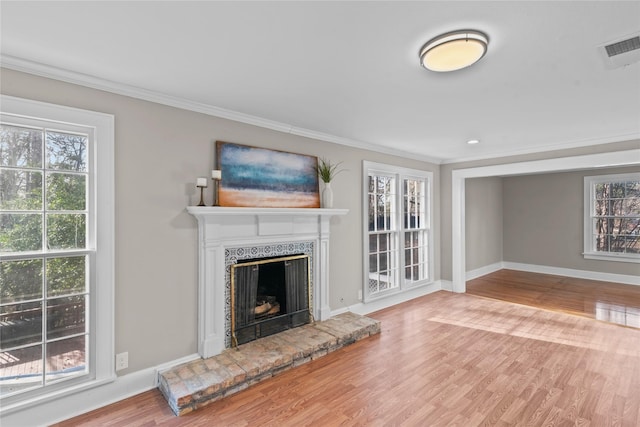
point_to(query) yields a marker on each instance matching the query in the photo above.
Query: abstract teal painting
(260, 177)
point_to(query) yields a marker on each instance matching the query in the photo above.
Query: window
(398, 238)
(56, 264)
(612, 217)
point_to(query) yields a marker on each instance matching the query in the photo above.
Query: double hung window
(398, 238)
(612, 217)
(54, 333)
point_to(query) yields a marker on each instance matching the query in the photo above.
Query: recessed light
(453, 51)
(473, 141)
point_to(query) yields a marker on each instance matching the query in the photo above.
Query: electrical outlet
(360, 294)
(122, 361)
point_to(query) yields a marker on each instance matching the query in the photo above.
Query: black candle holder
(201, 187)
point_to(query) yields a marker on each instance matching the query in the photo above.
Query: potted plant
(327, 171)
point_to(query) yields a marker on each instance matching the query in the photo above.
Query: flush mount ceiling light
(453, 51)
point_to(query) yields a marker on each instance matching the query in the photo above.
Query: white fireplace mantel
(222, 227)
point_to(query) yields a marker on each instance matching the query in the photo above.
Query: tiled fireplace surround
(226, 235)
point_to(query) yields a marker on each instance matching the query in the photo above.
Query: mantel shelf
(223, 229)
(235, 211)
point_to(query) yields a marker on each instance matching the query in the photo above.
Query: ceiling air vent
(621, 52)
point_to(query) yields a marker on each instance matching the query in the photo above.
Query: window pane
(383, 242)
(20, 324)
(632, 189)
(372, 212)
(20, 369)
(20, 232)
(631, 226)
(373, 263)
(380, 213)
(631, 206)
(66, 151)
(66, 192)
(66, 231)
(20, 190)
(632, 244)
(65, 316)
(21, 147)
(373, 243)
(408, 254)
(413, 197)
(66, 358)
(383, 261)
(407, 273)
(617, 216)
(374, 285)
(20, 280)
(66, 276)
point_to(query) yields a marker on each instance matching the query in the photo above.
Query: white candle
(216, 174)
(202, 182)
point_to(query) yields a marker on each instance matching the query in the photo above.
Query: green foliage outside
(43, 193)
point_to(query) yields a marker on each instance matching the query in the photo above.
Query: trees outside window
(398, 238)
(43, 239)
(56, 282)
(612, 217)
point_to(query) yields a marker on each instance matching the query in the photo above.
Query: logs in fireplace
(269, 295)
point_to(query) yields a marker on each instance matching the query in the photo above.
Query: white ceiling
(348, 72)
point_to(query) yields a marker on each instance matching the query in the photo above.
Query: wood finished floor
(606, 301)
(441, 360)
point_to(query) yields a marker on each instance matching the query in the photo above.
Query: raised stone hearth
(195, 384)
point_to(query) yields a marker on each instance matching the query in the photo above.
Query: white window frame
(101, 279)
(399, 174)
(590, 251)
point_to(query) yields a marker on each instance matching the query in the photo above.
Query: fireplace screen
(269, 296)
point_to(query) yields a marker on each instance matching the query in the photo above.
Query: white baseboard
(569, 272)
(79, 403)
(487, 269)
(370, 307)
(446, 285)
(147, 379)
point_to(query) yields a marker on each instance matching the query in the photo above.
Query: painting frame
(261, 177)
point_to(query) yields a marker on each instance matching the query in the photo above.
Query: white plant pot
(327, 196)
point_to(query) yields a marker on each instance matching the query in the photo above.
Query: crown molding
(628, 136)
(51, 72)
(48, 71)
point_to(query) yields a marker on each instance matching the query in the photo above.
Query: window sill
(612, 257)
(398, 292)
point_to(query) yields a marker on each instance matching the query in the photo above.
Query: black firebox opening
(269, 295)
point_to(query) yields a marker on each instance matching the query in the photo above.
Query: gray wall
(543, 221)
(161, 150)
(483, 222)
(445, 191)
(159, 153)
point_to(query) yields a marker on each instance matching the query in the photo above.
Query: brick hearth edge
(197, 383)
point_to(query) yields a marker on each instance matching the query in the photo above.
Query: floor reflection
(620, 314)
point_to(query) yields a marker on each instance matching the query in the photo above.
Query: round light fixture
(473, 141)
(453, 51)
